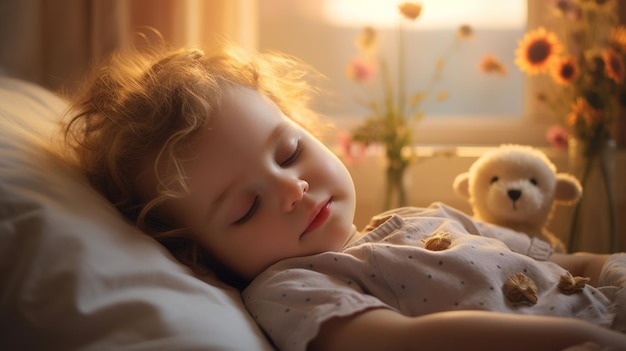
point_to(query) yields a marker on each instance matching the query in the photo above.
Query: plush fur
(517, 186)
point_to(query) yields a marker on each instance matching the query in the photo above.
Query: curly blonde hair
(151, 104)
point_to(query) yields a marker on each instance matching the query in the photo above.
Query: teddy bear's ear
(568, 189)
(461, 185)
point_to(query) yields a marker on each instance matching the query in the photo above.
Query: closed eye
(293, 157)
(494, 179)
(251, 211)
(533, 181)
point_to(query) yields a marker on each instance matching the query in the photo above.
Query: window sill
(467, 131)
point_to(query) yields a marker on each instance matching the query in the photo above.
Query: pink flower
(361, 69)
(352, 151)
(557, 136)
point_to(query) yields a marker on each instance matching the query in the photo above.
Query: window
(480, 109)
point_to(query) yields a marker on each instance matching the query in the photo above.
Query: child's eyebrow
(270, 140)
(215, 205)
(275, 134)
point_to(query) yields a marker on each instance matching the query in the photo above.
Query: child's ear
(461, 185)
(568, 189)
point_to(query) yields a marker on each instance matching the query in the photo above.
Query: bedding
(73, 273)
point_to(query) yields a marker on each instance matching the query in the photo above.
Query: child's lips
(319, 217)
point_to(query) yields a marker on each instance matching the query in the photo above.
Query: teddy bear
(517, 187)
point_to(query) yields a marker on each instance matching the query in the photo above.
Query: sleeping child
(213, 155)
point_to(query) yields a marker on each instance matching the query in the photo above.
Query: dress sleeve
(614, 270)
(292, 304)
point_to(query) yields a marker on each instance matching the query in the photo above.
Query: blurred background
(54, 42)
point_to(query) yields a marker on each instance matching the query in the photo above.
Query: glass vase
(593, 226)
(396, 188)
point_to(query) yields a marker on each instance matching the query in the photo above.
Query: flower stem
(573, 238)
(401, 75)
(395, 186)
(613, 239)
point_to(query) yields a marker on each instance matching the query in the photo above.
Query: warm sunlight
(435, 13)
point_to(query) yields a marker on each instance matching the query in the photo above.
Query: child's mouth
(320, 217)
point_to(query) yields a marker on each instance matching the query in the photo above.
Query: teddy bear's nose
(514, 194)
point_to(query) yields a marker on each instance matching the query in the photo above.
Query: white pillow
(74, 274)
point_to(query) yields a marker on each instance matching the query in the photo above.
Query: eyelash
(293, 157)
(257, 201)
(250, 213)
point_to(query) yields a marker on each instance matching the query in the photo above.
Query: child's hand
(603, 339)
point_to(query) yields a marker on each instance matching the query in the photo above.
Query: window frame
(529, 128)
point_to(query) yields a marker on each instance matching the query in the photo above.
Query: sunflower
(537, 51)
(565, 71)
(583, 112)
(613, 65)
(410, 10)
(618, 36)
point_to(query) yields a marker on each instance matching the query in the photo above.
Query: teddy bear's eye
(494, 179)
(533, 181)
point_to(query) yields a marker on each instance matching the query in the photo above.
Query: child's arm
(382, 329)
(582, 264)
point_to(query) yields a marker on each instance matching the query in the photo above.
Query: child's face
(263, 189)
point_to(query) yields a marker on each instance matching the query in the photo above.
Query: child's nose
(294, 192)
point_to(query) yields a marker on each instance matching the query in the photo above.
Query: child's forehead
(241, 136)
(245, 109)
(242, 98)
(246, 119)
